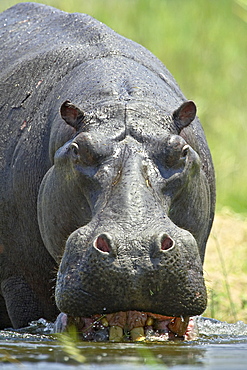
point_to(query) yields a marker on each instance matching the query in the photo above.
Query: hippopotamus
(107, 187)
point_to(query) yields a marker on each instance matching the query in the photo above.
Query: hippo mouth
(128, 326)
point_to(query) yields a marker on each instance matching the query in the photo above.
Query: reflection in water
(218, 346)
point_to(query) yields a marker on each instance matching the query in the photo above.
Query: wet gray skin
(112, 158)
(131, 255)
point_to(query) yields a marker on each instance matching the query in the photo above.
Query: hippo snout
(151, 271)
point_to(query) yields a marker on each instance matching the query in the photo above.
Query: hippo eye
(74, 149)
(185, 151)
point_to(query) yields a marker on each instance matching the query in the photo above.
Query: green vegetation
(225, 268)
(69, 343)
(203, 44)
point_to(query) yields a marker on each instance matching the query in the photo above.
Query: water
(218, 346)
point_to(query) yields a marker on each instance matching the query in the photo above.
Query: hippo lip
(131, 326)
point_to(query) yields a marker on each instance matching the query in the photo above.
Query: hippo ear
(72, 115)
(184, 115)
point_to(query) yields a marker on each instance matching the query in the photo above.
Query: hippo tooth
(104, 322)
(137, 334)
(115, 334)
(179, 325)
(149, 321)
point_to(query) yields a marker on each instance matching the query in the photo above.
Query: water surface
(218, 346)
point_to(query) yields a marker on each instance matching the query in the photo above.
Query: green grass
(203, 44)
(225, 268)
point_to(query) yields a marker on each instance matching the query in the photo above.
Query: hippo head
(124, 211)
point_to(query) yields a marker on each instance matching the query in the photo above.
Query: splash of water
(214, 329)
(205, 329)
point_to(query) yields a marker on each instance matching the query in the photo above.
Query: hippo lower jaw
(128, 326)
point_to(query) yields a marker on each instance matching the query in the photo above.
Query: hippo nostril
(102, 242)
(166, 243)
